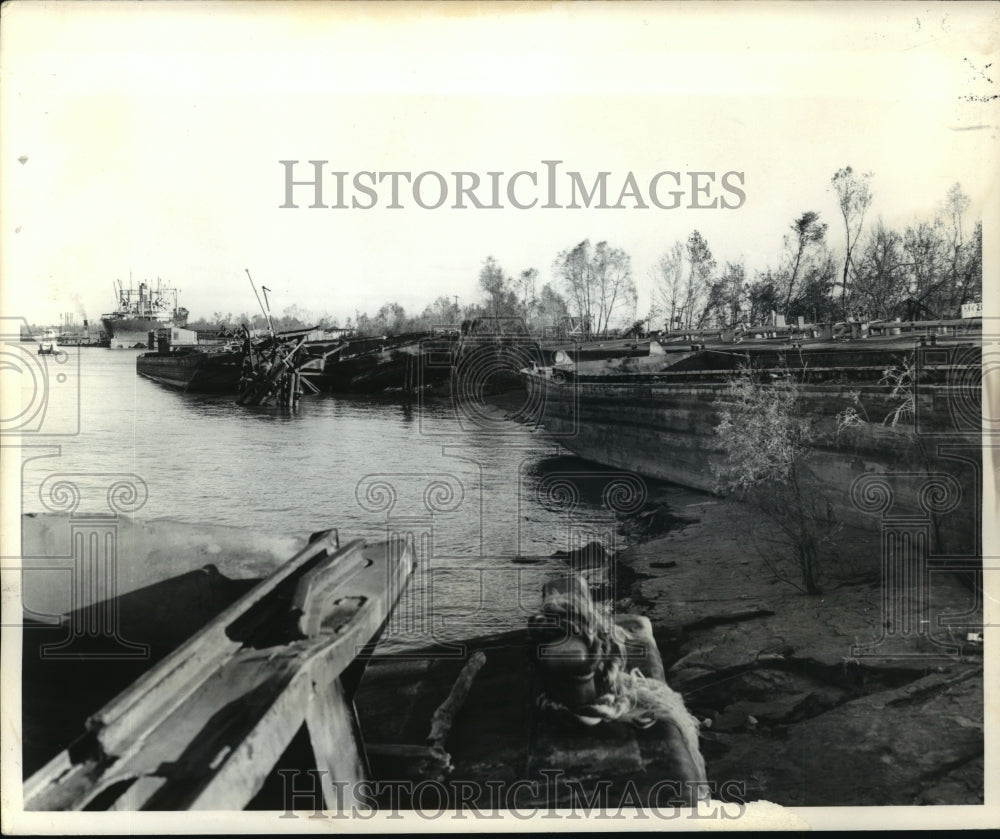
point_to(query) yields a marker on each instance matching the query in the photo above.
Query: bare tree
(971, 278)
(807, 236)
(443, 311)
(669, 277)
(612, 270)
(813, 300)
(699, 283)
(762, 297)
(599, 282)
(924, 247)
(881, 280)
(390, 319)
(551, 310)
(734, 292)
(854, 197)
(573, 266)
(501, 299)
(956, 203)
(527, 282)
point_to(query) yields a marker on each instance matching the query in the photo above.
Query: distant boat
(47, 343)
(84, 338)
(140, 311)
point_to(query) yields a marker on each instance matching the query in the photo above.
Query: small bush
(766, 442)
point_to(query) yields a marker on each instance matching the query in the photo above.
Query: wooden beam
(206, 726)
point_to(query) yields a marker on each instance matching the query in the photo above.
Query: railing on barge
(956, 327)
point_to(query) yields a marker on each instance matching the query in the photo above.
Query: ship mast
(267, 314)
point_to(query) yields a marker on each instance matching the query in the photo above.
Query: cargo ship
(141, 311)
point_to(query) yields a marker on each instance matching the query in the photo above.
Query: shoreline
(789, 713)
(788, 710)
(809, 700)
(788, 703)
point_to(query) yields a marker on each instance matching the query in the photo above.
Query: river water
(477, 490)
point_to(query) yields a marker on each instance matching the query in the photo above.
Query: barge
(259, 370)
(915, 402)
(194, 369)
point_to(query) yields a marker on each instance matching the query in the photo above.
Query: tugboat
(47, 343)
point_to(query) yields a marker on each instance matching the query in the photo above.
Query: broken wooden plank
(336, 742)
(173, 679)
(207, 735)
(431, 761)
(314, 592)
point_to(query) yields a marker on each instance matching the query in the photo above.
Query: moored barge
(915, 402)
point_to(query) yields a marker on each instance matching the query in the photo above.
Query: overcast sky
(146, 138)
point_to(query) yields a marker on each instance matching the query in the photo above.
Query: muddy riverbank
(868, 694)
(812, 700)
(804, 700)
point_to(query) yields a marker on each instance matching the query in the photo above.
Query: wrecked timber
(256, 670)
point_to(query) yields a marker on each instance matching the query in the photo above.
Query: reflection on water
(367, 466)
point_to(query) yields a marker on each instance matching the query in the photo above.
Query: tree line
(927, 269)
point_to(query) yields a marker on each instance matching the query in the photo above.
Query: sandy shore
(790, 705)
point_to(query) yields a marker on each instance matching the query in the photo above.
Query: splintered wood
(206, 726)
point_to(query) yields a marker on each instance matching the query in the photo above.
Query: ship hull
(406, 366)
(195, 372)
(133, 332)
(587, 351)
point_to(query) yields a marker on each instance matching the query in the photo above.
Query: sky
(143, 140)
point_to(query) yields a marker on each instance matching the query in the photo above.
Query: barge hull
(194, 372)
(663, 426)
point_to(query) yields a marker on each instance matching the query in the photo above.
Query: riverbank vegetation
(766, 441)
